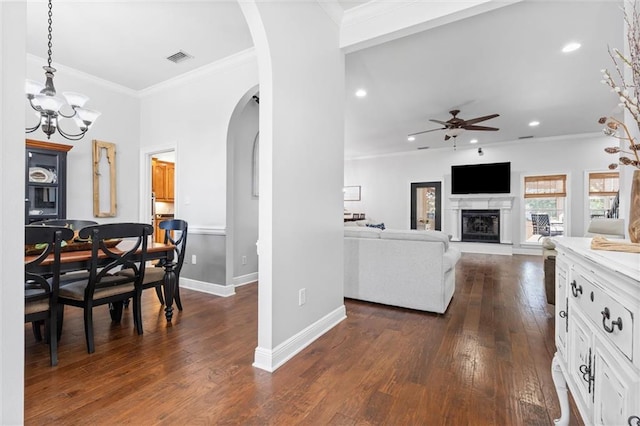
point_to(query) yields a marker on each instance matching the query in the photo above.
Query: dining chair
(76, 225)
(104, 285)
(41, 284)
(176, 234)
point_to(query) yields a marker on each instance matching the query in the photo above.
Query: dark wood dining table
(80, 260)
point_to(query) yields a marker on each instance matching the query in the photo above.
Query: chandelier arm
(68, 116)
(72, 137)
(37, 108)
(33, 129)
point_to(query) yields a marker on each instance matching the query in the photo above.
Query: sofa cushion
(609, 228)
(361, 232)
(415, 235)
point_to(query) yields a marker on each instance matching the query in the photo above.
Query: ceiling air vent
(179, 57)
(525, 137)
(423, 147)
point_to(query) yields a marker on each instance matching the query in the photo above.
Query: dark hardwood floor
(485, 362)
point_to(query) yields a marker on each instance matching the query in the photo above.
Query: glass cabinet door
(45, 181)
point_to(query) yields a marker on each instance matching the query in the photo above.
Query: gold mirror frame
(110, 149)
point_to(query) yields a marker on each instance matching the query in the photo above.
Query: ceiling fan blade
(479, 119)
(426, 131)
(447, 137)
(444, 123)
(479, 128)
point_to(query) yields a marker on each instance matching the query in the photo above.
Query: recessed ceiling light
(473, 141)
(570, 47)
(534, 123)
(361, 93)
(411, 138)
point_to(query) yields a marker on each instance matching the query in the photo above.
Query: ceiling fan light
(454, 132)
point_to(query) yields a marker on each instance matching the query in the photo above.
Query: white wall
(301, 170)
(193, 113)
(245, 209)
(12, 73)
(386, 180)
(119, 124)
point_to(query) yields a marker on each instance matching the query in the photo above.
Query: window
(545, 204)
(603, 194)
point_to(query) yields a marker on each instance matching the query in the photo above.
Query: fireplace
(481, 226)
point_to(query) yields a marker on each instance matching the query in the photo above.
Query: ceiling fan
(455, 125)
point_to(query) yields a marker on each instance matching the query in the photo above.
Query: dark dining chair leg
(115, 310)
(176, 294)
(137, 312)
(88, 328)
(159, 293)
(52, 333)
(60, 319)
(35, 326)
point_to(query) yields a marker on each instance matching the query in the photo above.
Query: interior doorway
(155, 199)
(163, 166)
(426, 204)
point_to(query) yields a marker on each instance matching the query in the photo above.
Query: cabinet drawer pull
(575, 288)
(586, 373)
(634, 421)
(606, 314)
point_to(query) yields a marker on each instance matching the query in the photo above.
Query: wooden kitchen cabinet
(163, 173)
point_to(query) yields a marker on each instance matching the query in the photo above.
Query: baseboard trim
(245, 279)
(271, 359)
(484, 248)
(209, 288)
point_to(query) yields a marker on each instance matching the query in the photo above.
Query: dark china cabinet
(45, 181)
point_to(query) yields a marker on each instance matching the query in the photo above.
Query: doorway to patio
(426, 202)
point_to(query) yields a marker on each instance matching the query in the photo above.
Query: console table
(597, 333)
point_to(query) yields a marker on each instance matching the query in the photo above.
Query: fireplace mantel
(504, 203)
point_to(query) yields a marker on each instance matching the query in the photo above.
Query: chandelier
(49, 106)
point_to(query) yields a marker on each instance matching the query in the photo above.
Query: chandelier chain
(50, 44)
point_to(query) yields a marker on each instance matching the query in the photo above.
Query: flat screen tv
(492, 178)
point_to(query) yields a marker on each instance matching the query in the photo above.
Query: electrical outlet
(302, 296)
(244, 260)
(193, 259)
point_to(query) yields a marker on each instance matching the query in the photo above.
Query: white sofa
(410, 269)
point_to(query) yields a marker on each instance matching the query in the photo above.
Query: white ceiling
(505, 61)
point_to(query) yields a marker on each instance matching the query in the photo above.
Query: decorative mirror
(104, 179)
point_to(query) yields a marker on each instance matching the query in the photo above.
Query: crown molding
(84, 76)
(333, 9)
(232, 61)
(380, 21)
(546, 139)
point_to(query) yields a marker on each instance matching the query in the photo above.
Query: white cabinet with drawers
(597, 333)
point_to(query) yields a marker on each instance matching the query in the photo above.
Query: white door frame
(146, 153)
